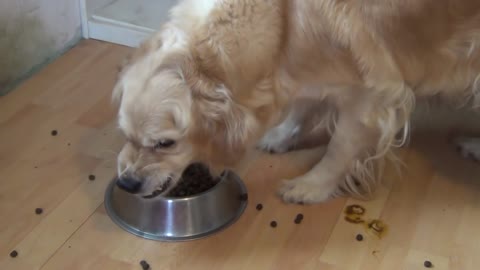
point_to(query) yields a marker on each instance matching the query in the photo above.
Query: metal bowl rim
(131, 229)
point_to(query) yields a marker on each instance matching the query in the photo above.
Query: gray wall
(33, 32)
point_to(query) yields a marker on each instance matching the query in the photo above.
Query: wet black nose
(129, 184)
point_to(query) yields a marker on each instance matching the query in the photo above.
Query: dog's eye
(164, 143)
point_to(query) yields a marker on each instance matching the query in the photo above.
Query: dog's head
(173, 114)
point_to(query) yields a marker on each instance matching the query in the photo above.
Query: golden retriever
(223, 75)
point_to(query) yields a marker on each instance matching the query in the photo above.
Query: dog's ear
(219, 115)
(151, 44)
(117, 93)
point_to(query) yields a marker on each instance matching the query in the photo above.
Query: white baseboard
(120, 21)
(116, 33)
(84, 18)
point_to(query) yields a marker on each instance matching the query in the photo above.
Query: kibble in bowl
(194, 180)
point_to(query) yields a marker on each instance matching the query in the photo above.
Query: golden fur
(220, 74)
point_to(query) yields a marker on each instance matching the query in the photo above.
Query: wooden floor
(432, 212)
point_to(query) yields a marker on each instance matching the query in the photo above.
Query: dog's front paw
(277, 141)
(273, 148)
(305, 191)
(468, 147)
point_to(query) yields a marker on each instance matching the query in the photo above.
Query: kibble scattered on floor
(38, 211)
(359, 237)
(54, 132)
(273, 224)
(259, 207)
(428, 264)
(298, 219)
(91, 177)
(13, 254)
(145, 265)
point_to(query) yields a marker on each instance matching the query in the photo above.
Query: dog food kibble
(91, 177)
(298, 219)
(158, 191)
(38, 211)
(145, 265)
(195, 179)
(359, 237)
(13, 254)
(259, 207)
(273, 224)
(54, 133)
(428, 264)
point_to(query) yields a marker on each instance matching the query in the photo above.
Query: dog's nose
(129, 184)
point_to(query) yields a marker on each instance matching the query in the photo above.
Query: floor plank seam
(71, 235)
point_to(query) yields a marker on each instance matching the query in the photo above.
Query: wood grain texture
(432, 209)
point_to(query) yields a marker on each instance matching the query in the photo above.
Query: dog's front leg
(307, 120)
(469, 147)
(354, 135)
(284, 136)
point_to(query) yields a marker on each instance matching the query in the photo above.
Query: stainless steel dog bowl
(178, 219)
